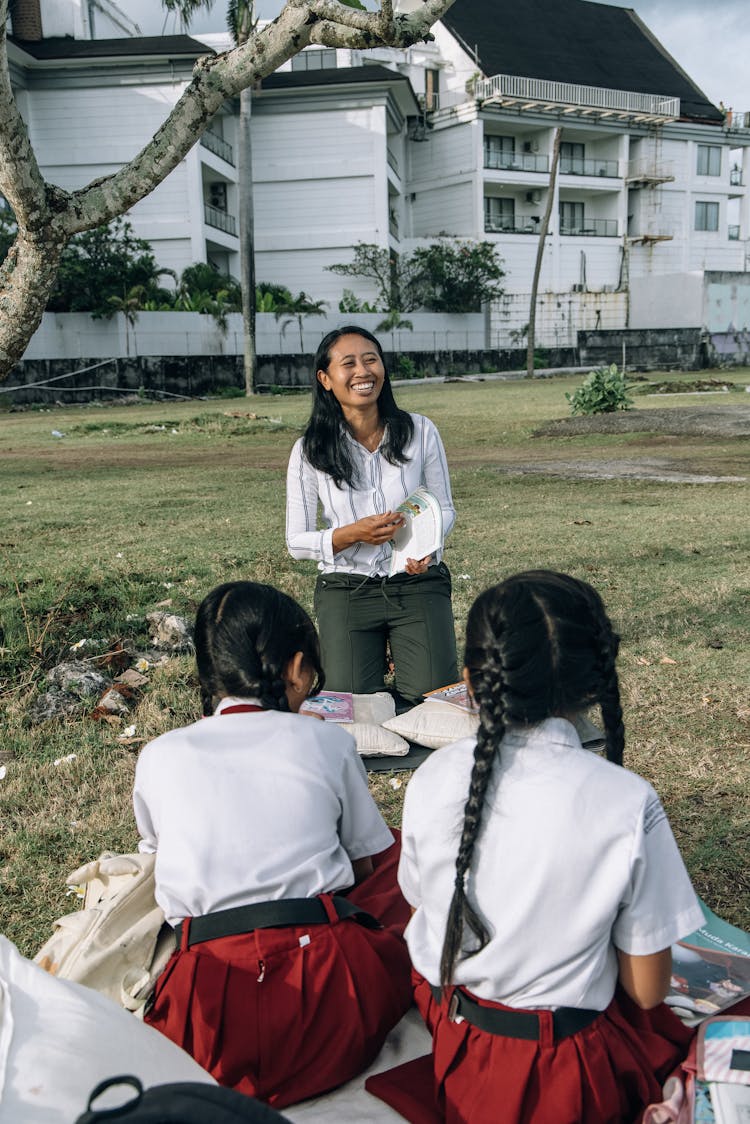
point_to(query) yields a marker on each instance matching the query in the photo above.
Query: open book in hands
(422, 532)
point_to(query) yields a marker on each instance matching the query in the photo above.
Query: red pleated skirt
(285, 1014)
(605, 1074)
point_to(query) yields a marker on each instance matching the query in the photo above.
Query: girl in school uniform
(272, 863)
(546, 886)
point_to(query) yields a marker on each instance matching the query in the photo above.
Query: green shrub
(407, 368)
(602, 392)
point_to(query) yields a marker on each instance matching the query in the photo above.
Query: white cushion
(434, 724)
(377, 708)
(374, 741)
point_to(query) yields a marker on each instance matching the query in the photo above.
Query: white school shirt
(381, 487)
(574, 859)
(251, 807)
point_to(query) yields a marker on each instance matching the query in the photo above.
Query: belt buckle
(453, 1015)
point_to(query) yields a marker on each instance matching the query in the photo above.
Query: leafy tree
(390, 273)
(205, 278)
(101, 264)
(269, 296)
(456, 276)
(448, 276)
(48, 216)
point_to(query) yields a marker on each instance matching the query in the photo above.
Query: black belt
(270, 915)
(515, 1024)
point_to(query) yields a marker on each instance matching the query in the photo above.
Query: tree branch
(21, 181)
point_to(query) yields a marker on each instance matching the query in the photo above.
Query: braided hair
(322, 441)
(245, 635)
(538, 644)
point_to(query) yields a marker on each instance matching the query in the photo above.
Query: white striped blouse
(382, 487)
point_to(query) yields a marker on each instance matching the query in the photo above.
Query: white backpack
(118, 943)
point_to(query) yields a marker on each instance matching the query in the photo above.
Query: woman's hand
(373, 529)
(417, 565)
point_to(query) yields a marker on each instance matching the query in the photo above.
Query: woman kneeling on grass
(545, 903)
(272, 863)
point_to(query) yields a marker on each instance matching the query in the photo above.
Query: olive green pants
(413, 612)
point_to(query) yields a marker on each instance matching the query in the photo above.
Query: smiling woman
(360, 457)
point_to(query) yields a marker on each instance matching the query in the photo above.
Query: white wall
(667, 301)
(559, 317)
(75, 335)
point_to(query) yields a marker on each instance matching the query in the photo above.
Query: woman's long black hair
(323, 442)
(245, 635)
(537, 645)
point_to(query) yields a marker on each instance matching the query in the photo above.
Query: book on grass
(331, 706)
(710, 969)
(422, 532)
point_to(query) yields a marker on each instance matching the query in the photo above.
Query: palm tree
(297, 308)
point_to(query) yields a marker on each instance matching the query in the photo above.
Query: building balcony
(392, 161)
(218, 146)
(519, 224)
(592, 228)
(511, 162)
(648, 173)
(574, 166)
(733, 233)
(735, 177)
(540, 95)
(219, 219)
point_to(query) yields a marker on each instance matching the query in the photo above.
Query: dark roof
(329, 76)
(67, 48)
(574, 41)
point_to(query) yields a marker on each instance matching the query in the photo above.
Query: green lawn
(146, 503)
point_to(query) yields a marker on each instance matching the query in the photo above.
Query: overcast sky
(710, 41)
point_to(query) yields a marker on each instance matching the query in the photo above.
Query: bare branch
(224, 76)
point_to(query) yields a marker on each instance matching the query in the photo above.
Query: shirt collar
(231, 700)
(551, 733)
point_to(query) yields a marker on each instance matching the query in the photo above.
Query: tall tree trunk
(247, 240)
(540, 252)
(27, 277)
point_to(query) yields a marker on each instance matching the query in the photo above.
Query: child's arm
(646, 978)
(362, 868)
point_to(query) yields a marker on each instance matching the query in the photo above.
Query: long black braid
(537, 645)
(245, 635)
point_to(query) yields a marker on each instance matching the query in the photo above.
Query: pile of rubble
(107, 686)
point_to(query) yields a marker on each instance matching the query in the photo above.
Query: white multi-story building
(452, 137)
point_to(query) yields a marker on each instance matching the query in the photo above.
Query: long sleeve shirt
(380, 487)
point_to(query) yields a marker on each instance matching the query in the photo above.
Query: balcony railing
(649, 171)
(733, 233)
(579, 166)
(219, 219)
(519, 224)
(539, 93)
(599, 228)
(735, 177)
(512, 162)
(218, 146)
(737, 120)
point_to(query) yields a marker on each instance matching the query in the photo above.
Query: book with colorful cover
(456, 694)
(422, 532)
(710, 969)
(331, 706)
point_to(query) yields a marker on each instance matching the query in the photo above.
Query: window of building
(571, 217)
(315, 60)
(709, 160)
(706, 216)
(431, 90)
(499, 214)
(499, 152)
(572, 158)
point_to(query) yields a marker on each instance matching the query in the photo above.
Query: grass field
(141, 504)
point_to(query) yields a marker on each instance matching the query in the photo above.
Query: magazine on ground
(710, 969)
(331, 706)
(422, 532)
